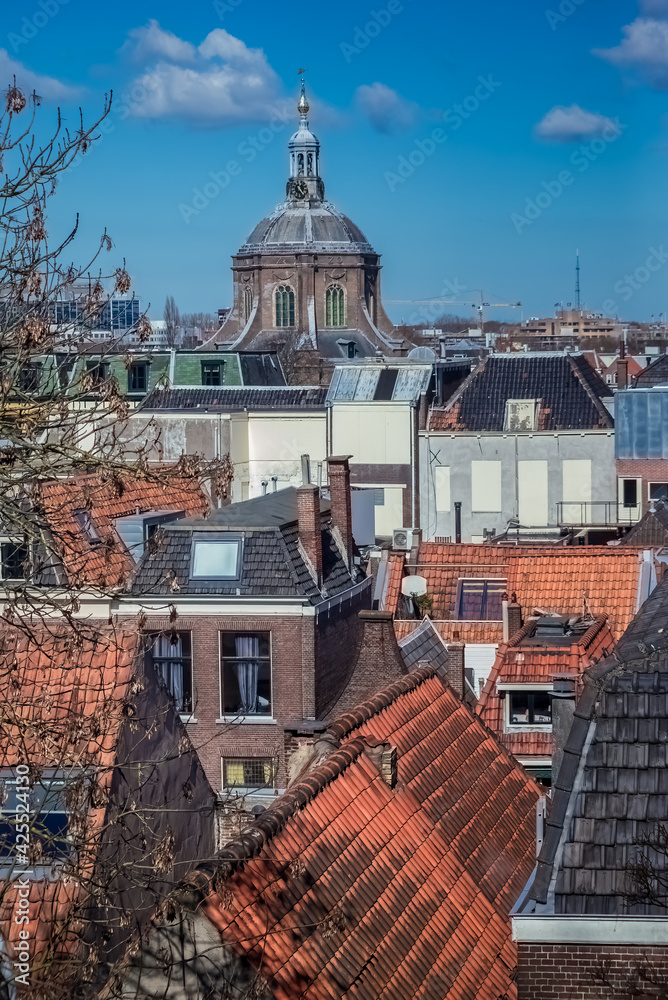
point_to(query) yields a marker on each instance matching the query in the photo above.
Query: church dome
(305, 222)
(319, 228)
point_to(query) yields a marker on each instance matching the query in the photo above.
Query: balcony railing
(595, 513)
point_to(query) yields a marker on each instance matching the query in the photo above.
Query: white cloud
(386, 110)
(47, 87)
(571, 124)
(644, 48)
(224, 83)
(152, 40)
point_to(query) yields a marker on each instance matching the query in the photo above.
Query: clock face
(300, 189)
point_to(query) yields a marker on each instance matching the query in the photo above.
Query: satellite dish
(422, 354)
(413, 586)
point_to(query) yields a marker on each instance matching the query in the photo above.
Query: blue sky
(564, 147)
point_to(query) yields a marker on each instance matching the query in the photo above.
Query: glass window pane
(519, 708)
(542, 708)
(215, 559)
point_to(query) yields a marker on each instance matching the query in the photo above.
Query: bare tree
(172, 320)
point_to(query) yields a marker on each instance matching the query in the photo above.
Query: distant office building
(572, 322)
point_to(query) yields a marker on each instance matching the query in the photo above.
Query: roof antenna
(577, 280)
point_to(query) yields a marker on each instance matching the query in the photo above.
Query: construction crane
(479, 307)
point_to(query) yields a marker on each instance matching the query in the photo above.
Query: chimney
(455, 667)
(339, 493)
(622, 373)
(563, 709)
(458, 521)
(514, 616)
(308, 518)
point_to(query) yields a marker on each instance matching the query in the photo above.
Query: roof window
(215, 559)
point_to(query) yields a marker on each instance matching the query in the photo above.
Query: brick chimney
(339, 493)
(514, 616)
(308, 520)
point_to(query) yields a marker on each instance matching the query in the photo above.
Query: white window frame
(511, 727)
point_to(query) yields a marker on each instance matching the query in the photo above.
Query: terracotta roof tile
(553, 579)
(107, 563)
(404, 891)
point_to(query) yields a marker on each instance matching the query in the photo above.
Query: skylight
(214, 559)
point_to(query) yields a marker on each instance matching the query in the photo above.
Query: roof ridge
(589, 389)
(353, 720)
(251, 841)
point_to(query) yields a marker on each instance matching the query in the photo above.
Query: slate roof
(654, 374)
(612, 784)
(272, 565)
(651, 532)
(107, 563)
(260, 368)
(424, 645)
(569, 390)
(347, 887)
(557, 579)
(530, 659)
(207, 398)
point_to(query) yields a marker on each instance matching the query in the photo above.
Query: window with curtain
(335, 310)
(253, 772)
(246, 673)
(172, 659)
(284, 298)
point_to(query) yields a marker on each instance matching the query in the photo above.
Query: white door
(532, 489)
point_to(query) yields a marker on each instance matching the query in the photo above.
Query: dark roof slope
(652, 531)
(272, 564)
(260, 368)
(249, 398)
(570, 393)
(612, 788)
(654, 374)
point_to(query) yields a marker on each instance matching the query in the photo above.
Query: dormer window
(212, 372)
(84, 520)
(480, 600)
(529, 708)
(135, 530)
(138, 377)
(521, 415)
(216, 559)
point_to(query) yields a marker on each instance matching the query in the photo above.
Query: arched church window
(309, 160)
(284, 299)
(248, 302)
(335, 306)
(300, 163)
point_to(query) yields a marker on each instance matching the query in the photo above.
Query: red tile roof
(107, 564)
(483, 633)
(349, 888)
(63, 708)
(518, 661)
(568, 580)
(392, 589)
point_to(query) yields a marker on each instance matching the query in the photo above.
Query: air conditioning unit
(402, 538)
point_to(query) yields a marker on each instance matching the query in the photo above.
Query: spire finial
(303, 106)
